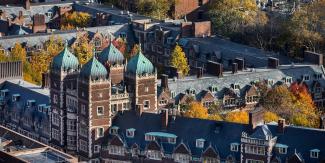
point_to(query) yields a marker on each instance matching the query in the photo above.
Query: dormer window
(173, 94)
(191, 91)
(314, 153)
(98, 43)
(40, 107)
(288, 80)
(30, 103)
(270, 82)
(282, 148)
(15, 97)
(130, 132)
(234, 147)
(149, 137)
(123, 35)
(236, 86)
(113, 130)
(169, 40)
(306, 77)
(4, 92)
(318, 76)
(214, 89)
(199, 143)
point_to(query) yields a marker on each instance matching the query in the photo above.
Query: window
(55, 134)
(254, 161)
(55, 119)
(130, 133)
(116, 150)
(282, 150)
(55, 99)
(96, 148)
(199, 143)
(306, 77)
(83, 145)
(200, 2)
(113, 130)
(71, 140)
(169, 40)
(15, 97)
(183, 158)
(318, 76)
(123, 35)
(49, 14)
(288, 80)
(146, 104)
(149, 138)
(236, 86)
(162, 102)
(314, 153)
(100, 95)
(100, 132)
(253, 149)
(214, 89)
(270, 82)
(83, 131)
(234, 147)
(154, 155)
(171, 140)
(146, 89)
(98, 43)
(100, 110)
(114, 108)
(71, 125)
(83, 109)
(126, 106)
(191, 91)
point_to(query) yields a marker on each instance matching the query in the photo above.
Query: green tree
(154, 8)
(179, 60)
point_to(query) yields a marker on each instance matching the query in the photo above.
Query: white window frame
(55, 134)
(199, 143)
(83, 109)
(83, 145)
(144, 104)
(306, 77)
(282, 150)
(314, 154)
(234, 147)
(98, 132)
(55, 119)
(130, 133)
(96, 148)
(55, 98)
(98, 113)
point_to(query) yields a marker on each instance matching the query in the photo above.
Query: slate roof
(187, 130)
(243, 78)
(226, 50)
(39, 38)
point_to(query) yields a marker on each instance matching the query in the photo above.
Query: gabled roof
(116, 140)
(153, 145)
(93, 70)
(262, 132)
(182, 149)
(210, 152)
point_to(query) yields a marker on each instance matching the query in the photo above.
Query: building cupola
(140, 65)
(65, 60)
(93, 70)
(111, 55)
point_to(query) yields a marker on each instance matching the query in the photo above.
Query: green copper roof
(111, 55)
(93, 70)
(65, 60)
(139, 65)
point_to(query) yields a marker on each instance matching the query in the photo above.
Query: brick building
(84, 100)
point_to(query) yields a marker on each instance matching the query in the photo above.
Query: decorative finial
(66, 44)
(140, 50)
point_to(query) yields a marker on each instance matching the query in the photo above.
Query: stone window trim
(100, 132)
(96, 148)
(146, 104)
(234, 147)
(100, 110)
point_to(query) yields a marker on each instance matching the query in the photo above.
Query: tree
(215, 117)
(196, 110)
(18, 53)
(154, 8)
(39, 64)
(71, 20)
(237, 117)
(134, 50)
(179, 60)
(84, 51)
(53, 46)
(3, 56)
(270, 117)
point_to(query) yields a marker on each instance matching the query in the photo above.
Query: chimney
(241, 63)
(234, 68)
(139, 109)
(322, 122)
(256, 117)
(20, 14)
(281, 126)
(45, 80)
(199, 72)
(314, 58)
(215, 68)
(27, 4)
(186, 29)
(164, 119)
(164, 81)
(273, 62)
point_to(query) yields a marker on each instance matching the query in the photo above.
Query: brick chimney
(27, 4)
(199, 72)
(201, 29)
(20, 14)
(39, 24)
(234, 68)
(164, 81)
(139, 109)
(241, 64)
(45, 80)
(322, 122)
(273, 62)
(164, 119)
(314, 58)
(256, 117)
(215, 68)
(186, 29)
(281, 126)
